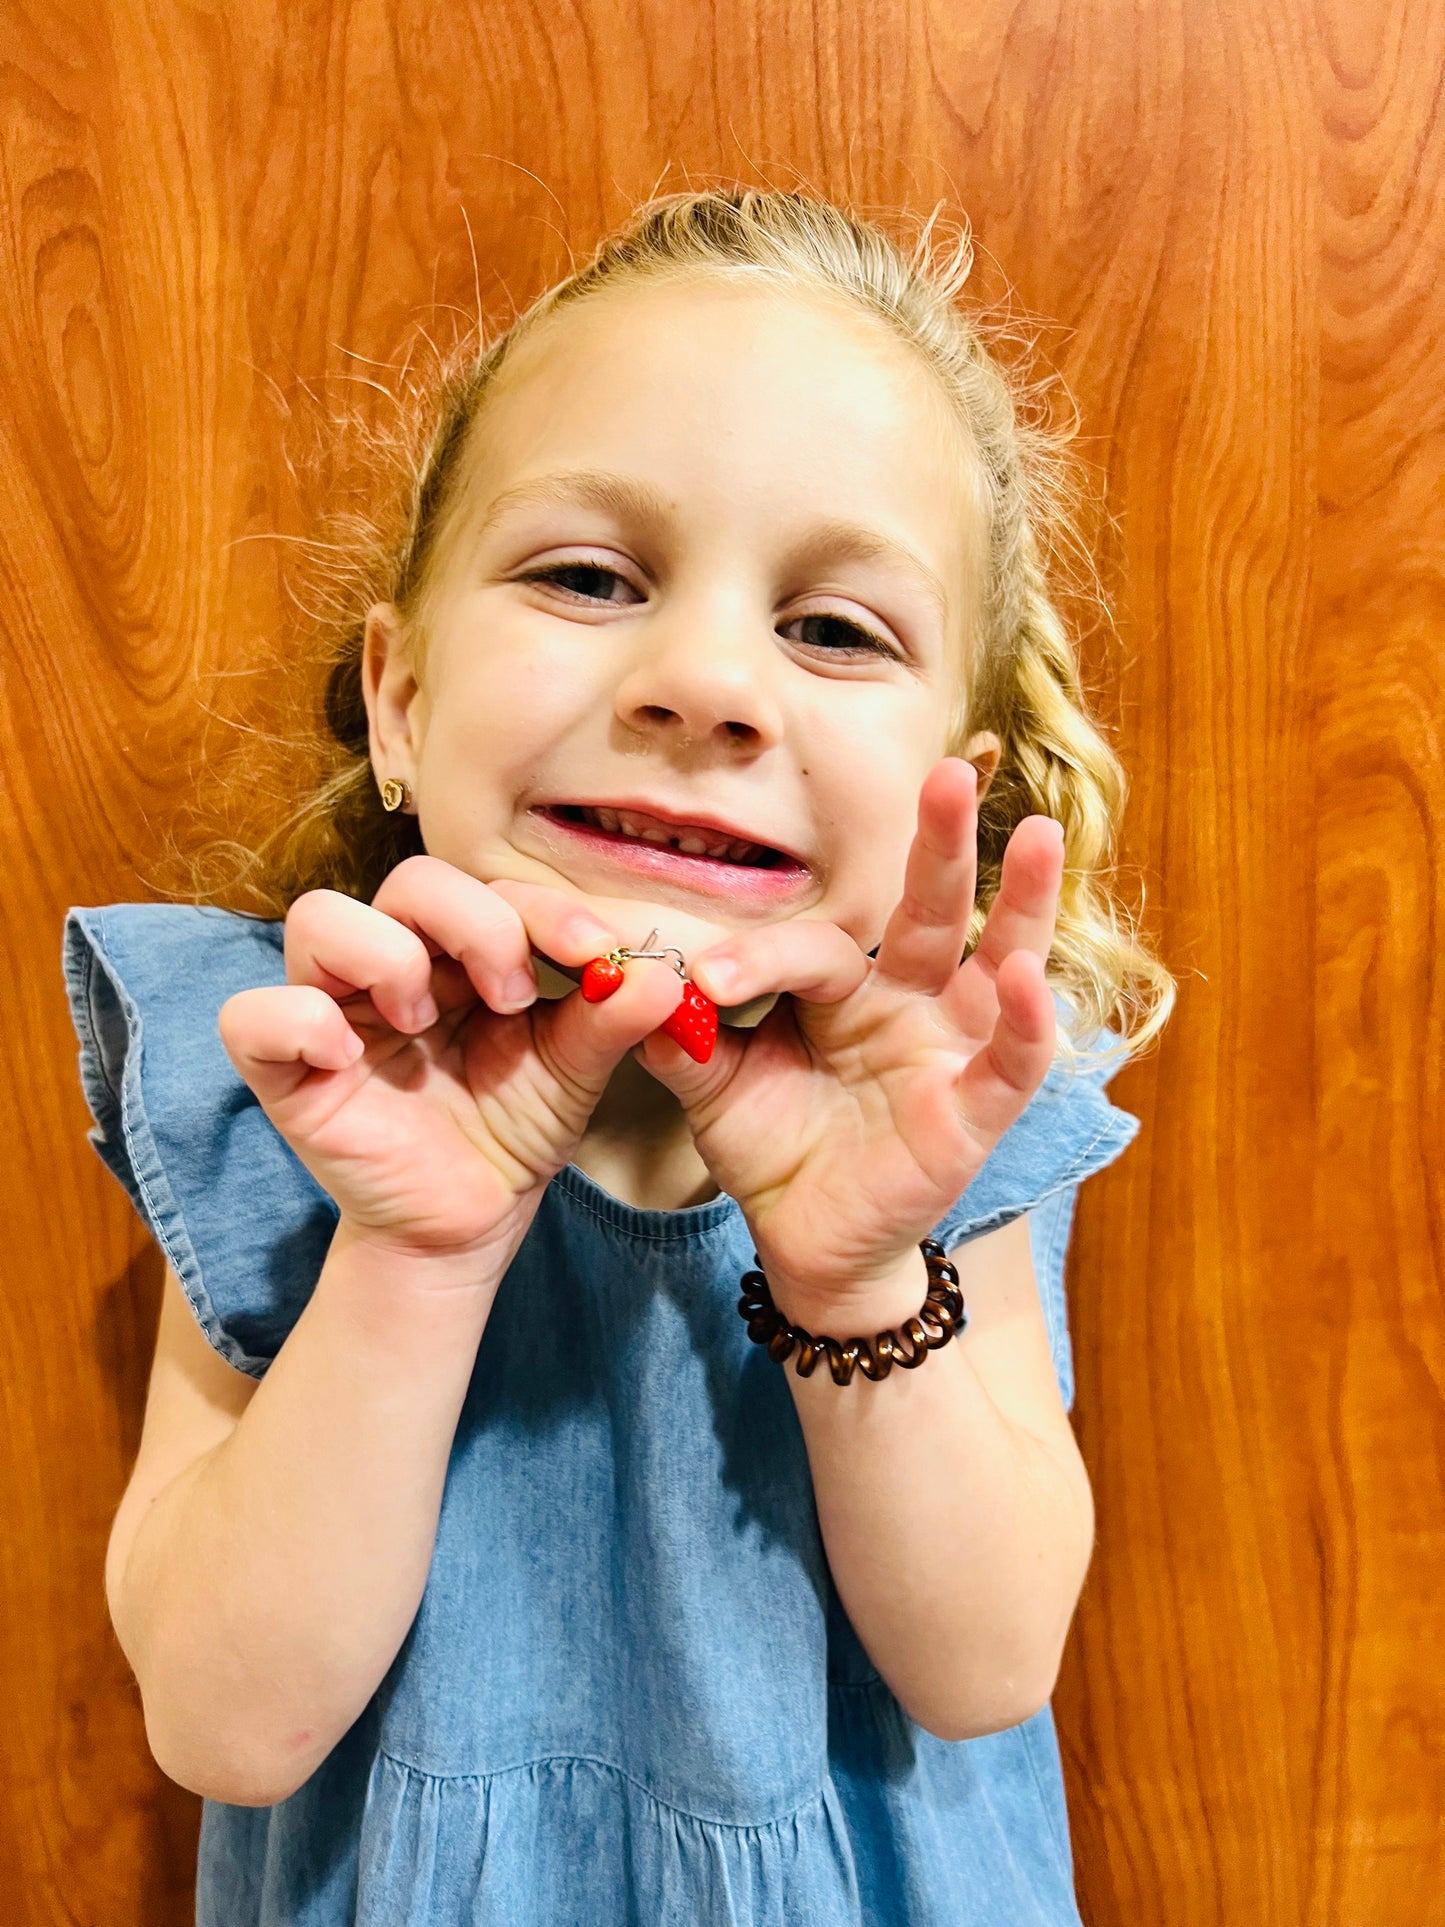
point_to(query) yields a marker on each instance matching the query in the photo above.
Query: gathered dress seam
(610, 1766)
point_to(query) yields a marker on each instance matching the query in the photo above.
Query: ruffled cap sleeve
(244, 1224)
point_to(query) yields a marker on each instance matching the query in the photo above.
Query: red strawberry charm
(600, 978)
(694, 1023)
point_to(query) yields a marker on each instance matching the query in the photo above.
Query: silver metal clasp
(668, 949)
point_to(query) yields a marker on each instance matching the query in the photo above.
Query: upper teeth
(690, 842)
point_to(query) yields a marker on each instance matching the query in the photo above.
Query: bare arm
(954, 1506)
(261, 1591)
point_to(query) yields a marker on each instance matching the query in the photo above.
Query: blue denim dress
(630, 1695)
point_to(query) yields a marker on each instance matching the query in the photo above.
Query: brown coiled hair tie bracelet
(939, 1317)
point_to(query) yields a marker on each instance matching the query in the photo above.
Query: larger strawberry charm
(694, 1023)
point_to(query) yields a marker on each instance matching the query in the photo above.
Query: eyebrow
(851, 542)
(640, 503)
(587, 487)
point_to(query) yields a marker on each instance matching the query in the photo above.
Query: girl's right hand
(389, 1063)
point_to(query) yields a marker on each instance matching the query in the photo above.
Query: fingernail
(518, 990)
(424, 1012)
(353, 1046)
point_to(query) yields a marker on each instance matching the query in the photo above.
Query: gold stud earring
(394, 793)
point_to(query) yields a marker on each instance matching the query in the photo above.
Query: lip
(737, 883)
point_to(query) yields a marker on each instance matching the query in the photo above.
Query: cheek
(870, 820)
(479, 750)
(498, 714)
(866, 782)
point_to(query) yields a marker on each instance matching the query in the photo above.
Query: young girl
(481, 1563)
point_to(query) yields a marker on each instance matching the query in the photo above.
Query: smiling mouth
(626, 826)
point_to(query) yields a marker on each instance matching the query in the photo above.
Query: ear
(391, 691)
(985, 752)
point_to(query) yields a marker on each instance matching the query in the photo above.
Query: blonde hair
(1025, 686)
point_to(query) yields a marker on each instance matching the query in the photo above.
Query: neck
(638, 1145)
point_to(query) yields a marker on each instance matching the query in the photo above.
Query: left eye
(852, 636)
(590, 573)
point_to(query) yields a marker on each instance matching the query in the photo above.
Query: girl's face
(712, 578)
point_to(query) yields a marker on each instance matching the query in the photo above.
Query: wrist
(858, 1308)
(874, 1349)
(374, 1258)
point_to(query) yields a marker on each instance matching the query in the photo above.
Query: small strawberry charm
(694, 1023)
(601, 977)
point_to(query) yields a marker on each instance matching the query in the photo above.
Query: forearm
(958, 1541)
(272, 1583)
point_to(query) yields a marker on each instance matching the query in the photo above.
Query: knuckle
(420, 867)
(931, 914)
(408, 880)
(310, 911)
(311, 1008)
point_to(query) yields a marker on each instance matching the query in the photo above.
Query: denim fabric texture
(630, 1693)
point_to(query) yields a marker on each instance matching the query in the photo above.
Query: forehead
(747, 407)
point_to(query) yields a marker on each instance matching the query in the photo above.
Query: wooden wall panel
(1233, 213)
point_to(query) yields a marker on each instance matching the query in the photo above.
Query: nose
(703, 676)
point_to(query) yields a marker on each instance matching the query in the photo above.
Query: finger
(582, 1044)
(1024, 913)
(926, 935)
(1022, 916)
(814, 960)
(456, 916)
(695, 1085)
(999, 1080)
(557, 924)
(277, 1034)
(337, 944)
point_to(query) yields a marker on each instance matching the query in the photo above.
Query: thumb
(583, 1043)
(694, 1085)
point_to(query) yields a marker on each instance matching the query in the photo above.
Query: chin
(636, 915)
(632, 916)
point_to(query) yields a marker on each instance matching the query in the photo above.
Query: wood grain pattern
(1234, 215)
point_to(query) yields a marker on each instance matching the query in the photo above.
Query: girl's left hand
(850, 1120)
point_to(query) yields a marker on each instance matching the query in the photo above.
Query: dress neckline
(657, 1226)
